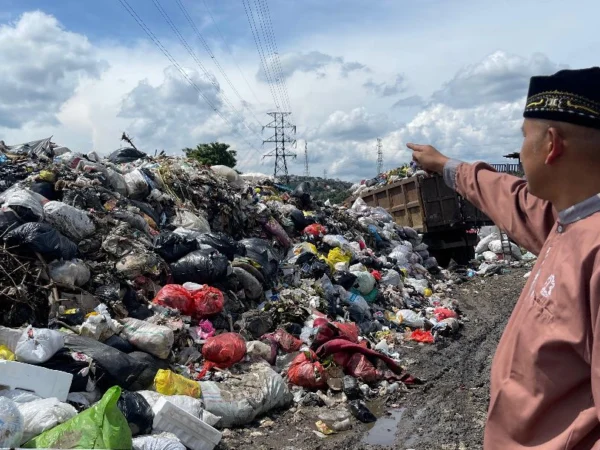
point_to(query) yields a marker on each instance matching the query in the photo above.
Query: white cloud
(384, 89)
(42, 65)
(357, 124)
(498, 77)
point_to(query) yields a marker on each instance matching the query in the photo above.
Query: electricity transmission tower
(324, 174)
(379, 156)
(280, 124)
(306, 172)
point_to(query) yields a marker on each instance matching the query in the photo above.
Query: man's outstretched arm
(503, 198)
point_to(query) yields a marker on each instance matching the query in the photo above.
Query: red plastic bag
(444, 313)
(222, 351)
(422, 336)
(348, 330)
(176, 296)
(376, 274)
(315, 230)
(359, 366)
(327, 331)
(208, 302)
(285, 340)
(307, 371)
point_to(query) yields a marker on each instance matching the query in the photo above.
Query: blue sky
(453, 73)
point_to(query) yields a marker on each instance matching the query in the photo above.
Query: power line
(173, 61)
(229, 50)
(199, 63)
(214, 58)
(270, 50)
(276, 53)
(254, 30)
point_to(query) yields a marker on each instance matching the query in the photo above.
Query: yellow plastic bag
(46, 175)
(304, 247)
(169, 383)
(428, 292)
(337, 255)
(6, 354)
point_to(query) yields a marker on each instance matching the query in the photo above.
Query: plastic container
(191, 431)
(16, 375)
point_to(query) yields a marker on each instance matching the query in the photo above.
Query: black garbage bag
(64, 362)
(300, 220)
(318, 268)
(147, 209)
(126, 155)
(120, 369)
(223, 243)
(42, 238)
(8, 221)
(201, 266)
(151, 367)
(137, 411)
(302, 192)
(261, 251)
(370, 262)
(344, 279)
(134, 306)
(173, 246)
(361, 412)
(45, 189)
(119, 343)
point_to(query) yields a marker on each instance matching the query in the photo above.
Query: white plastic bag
(41, 415)
(157, 442)
(391, 278)
(11, 424)
(366, 282)
(73, 272)
(154, 339)
(258, 390)
(230, 174)
(189, 220)
(19, 395)
(100, 326)
(70, 221)
(10, 337)
(418, 285)
(117, 181)
(38, 345)
(360, 206)
(495, 246)
(484, 243)
(18, 196)
(137, 186)
(410, 318)
(489, 256)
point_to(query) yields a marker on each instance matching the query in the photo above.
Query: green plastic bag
(102, 426)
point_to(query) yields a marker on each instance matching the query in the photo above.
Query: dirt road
(448, 412)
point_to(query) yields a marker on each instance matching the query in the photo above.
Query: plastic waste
(6, 354)
(361, 412)
(42, 238)
(44, 414)
(38, 345)
(223, 243)
(201, 266)
(419, 285)
(154, 339)
(99, 325)
(117, 181)
(307, 371)
(99, 427)
(409, 318)
(222, 351)
(337, 255)
(188, 220)
(230, 174)
(258, 390)
(365, 282)
(173, 246)
(27, 205)
(11, 424)
(391, 278)
(72, 222)
(138, 187)
(194, 433)
(350, 387)
(162, 441)
(137, 412)
(169, 383)
(176, 296)
(208, 301)
(125, 155)
(73, 272)
(315, 230)
(275, 229)
(19, 395)
(490, 256)
(422, 336)
(284, 340)
(253, 289)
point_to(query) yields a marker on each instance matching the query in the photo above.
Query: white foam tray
(44, 382)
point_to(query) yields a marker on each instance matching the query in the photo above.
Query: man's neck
(580, 188)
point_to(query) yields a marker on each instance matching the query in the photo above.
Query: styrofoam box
(44, 382)
(192, 432)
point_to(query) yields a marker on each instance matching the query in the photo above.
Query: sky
(451, 73)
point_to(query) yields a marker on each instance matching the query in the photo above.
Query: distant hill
(322, 189)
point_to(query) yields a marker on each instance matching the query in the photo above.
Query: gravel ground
(448, 412)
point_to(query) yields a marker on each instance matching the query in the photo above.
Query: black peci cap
(567, 96)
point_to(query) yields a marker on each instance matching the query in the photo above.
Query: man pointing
(545, 380)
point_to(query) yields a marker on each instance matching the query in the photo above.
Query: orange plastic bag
(222, 351)
(422, 336)
(307, 371)
(208, 302)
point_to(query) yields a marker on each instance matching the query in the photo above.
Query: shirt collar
(580, 211)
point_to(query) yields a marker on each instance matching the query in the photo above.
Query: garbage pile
(494, 258)
(161, 300)
(405, 171)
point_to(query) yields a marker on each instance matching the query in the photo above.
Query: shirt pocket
(542, 309)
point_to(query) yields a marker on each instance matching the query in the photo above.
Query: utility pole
(306, 172)
(379, 156)
(324, 174)
(280, 124)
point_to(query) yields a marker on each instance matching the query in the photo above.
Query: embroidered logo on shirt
(548, 287)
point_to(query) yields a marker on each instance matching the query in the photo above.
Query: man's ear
(554, 147)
